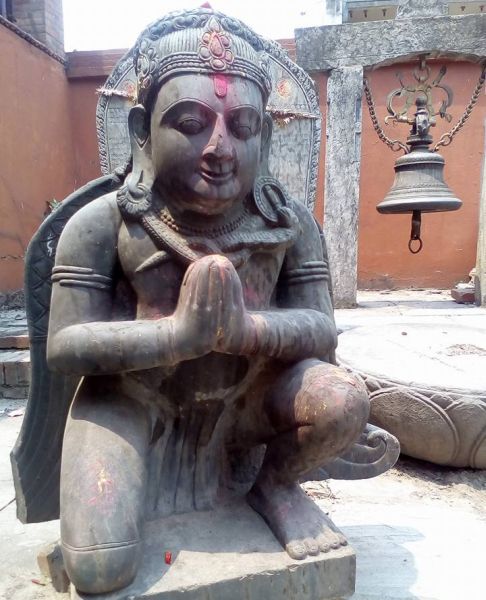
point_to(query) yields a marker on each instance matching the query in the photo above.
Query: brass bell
(419, 184)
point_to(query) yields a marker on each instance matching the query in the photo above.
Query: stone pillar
(341, 202)
(43, 20)
(481, 255)
(334, 12)
(4, 9)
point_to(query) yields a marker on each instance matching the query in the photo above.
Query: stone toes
(331, 541)
(312, 546)
(334, 538)
(324, 545)
(296, 550)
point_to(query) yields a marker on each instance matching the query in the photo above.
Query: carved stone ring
(270, 197)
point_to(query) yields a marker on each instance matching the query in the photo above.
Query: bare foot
(296, 521)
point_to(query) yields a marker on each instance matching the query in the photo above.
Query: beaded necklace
(210, 232)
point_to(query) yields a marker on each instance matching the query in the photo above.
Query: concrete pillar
(43, 19)
(334, 12)
(341, 202)
(481, 255)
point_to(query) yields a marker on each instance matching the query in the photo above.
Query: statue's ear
(139, 130)
(267, 128)
(138, 126)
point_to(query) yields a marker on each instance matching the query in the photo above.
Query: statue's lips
(217, 177)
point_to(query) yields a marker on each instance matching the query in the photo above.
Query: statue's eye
(245, 125)
(190, 125)
(242, 131)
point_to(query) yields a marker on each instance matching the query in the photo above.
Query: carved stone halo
(215, 46)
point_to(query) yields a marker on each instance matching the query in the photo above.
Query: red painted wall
(320, 80)
(36, 157)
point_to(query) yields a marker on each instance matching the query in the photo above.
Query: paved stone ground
(419, 531)
(12, 322)
(418, 306)
(14, 359)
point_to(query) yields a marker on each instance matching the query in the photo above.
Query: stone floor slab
(228, 554)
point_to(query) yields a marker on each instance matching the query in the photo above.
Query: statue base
(427, 385)
(230, 553)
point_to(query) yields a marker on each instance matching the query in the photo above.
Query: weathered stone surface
(409, 9)
(19, 392)
(12, 300)
(14, 356)
(14, 367)
(368, 44)
(463, 295)
(51, 565)
(343, 154)
(480, 277)
(231, 554)
(14, 341)
(432, 393)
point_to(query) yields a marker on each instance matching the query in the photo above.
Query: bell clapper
(415, 233)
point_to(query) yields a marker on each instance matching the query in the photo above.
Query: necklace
(211, 232)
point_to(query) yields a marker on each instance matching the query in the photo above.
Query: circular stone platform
(427, 387)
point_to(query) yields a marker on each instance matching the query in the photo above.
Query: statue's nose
(220, 148)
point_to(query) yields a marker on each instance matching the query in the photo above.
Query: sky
(106, 24)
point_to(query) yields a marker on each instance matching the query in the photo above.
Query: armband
(80, 277)
(313, 270)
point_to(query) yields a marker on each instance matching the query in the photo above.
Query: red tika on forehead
(220, 85)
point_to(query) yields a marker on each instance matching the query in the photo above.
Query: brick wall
(43, 19)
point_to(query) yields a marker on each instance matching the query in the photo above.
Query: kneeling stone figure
(191, 303)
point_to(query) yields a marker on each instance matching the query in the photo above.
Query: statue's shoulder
(100, 213)
(309, 244)
(307, 221)
(97, 220)
(92, 230)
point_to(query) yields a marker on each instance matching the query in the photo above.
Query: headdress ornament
(198, 41)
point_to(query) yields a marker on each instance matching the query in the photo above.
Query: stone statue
(190, 319)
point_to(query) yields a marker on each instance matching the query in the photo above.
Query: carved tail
(374, 453)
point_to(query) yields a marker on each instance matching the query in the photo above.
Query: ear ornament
(134, 200)
(271, 200)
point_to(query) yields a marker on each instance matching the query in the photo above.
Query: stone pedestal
(230, 554)
(427, 387)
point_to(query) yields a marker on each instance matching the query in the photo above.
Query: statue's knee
(356, 404)
(101, 569)
(338, 404)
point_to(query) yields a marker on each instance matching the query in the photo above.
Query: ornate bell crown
(198, 41)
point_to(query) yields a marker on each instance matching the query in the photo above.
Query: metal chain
(395, 145)
(446, 139)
